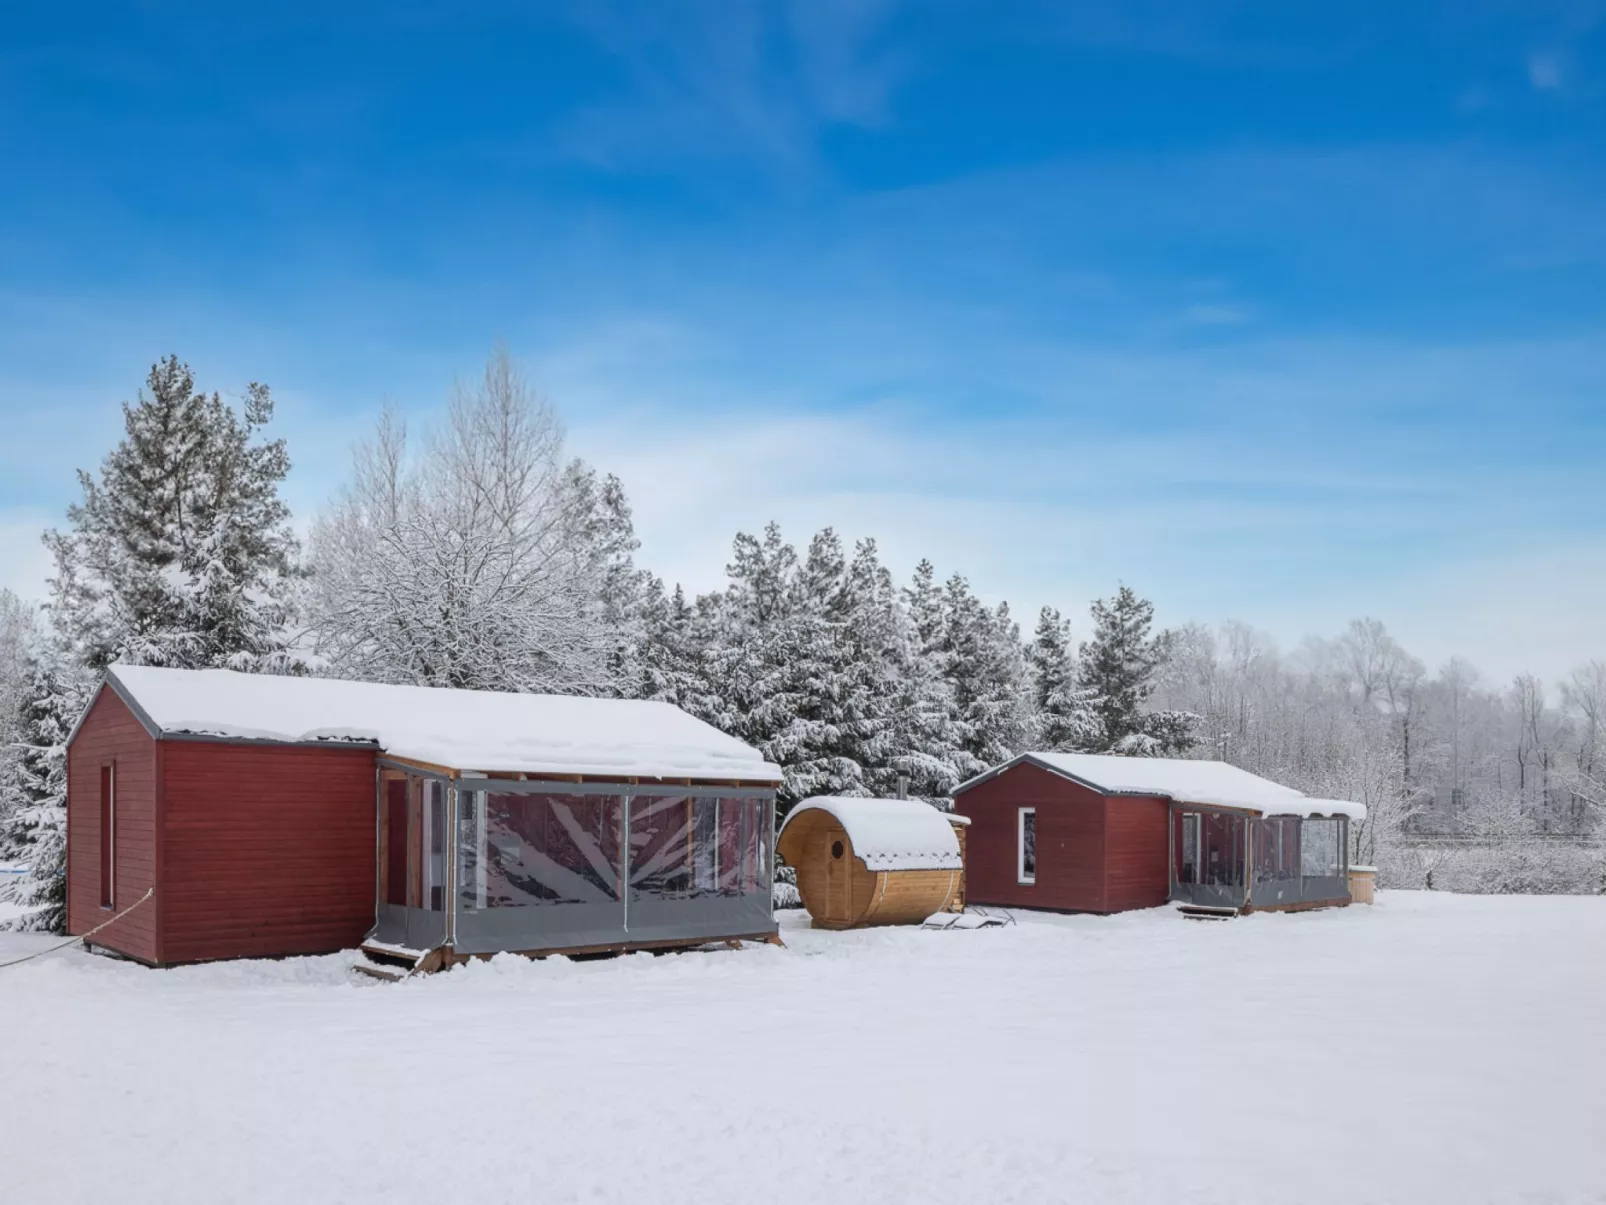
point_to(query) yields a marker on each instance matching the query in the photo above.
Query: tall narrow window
(434, 845)
(1188, 847)
(1027, 845)
(108, 836)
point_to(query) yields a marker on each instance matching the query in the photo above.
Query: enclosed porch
(1230, 860)
(474, 865)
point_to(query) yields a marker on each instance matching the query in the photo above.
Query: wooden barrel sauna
(1362, 883)
(866, 862)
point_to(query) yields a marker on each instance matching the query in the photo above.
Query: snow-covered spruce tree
(181, 551)
(869, 667)
(668, 665)
(781, 683)
(780, 666)
(1063, 718)
(19, 633)
(877, 639)
(624, 592)
(928, 735)
(487, 562)
(1119, 668)
(36, 830)
(763, 585)
(802, 658)
(984, 665)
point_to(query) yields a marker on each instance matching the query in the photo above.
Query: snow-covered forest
(480, 554)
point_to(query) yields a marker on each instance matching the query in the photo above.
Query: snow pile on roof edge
(459, 729)
(1306, 808)
(891, 834)
(1183, 780)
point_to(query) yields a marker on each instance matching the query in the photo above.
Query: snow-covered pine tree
(674, 664)
(36, 830)
(928, 738)
(985, 671)
(786, 673)
(763, 579)
(605, 528)
(1119, 667)
(923, 599)
(1008, 714)
(181, 551)
(872, 639)
(782, 683)
(18, 637)
(663, 622)
(1063, 717)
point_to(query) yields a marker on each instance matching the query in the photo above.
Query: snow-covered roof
(459, 729)
(1181, 780)
(890, 834)
(1307, 807)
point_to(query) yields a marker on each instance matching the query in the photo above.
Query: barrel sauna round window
(836, 849)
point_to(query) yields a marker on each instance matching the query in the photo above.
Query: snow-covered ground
(9, 873)
(8, 912)
(1433, 1048)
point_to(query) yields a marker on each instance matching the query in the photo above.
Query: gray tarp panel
(1208, 896)
(555, 869)
(1207, 858)
(1290, 860)
(1324, 888)
(390, 924)
(415, 928)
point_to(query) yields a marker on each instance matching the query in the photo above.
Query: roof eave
(108, 678)
(1034, 760)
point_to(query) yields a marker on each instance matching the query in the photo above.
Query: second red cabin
(1079, 832)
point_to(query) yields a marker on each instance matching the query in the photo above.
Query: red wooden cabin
(1074, 832)
(236, 815)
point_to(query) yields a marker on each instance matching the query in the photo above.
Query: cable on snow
(60, 945)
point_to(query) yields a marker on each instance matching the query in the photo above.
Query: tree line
(482, 556)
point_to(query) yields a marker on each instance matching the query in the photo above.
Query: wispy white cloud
(1294, 487)
(969, 371)
(24, 561)
(1545, 71)
(1297, 491)
(1204, 314)
(1534, 607)
(734, 81)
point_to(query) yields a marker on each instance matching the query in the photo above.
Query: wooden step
(389, 974)
(1206, 912)
(385, 951)
(390, 962)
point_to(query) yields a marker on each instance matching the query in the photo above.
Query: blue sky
(1274, 312)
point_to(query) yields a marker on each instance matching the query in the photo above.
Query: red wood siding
(269, 850)
(110, 735)
(1135, 849)
(1070, 842)
(1095, 853)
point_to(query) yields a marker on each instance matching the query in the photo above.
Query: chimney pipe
(903, 786)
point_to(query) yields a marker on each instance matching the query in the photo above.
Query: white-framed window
(108, 835)
(1026, 845)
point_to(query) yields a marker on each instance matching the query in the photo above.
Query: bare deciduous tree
(479, 563)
